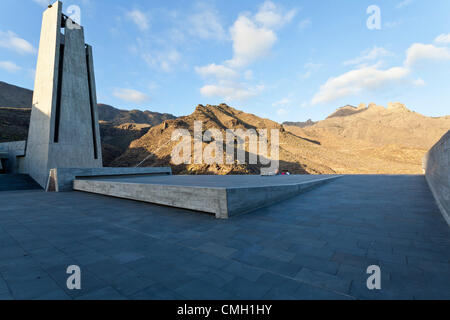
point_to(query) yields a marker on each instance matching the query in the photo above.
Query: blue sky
(284, 60)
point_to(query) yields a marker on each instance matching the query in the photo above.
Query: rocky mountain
(115, 116)
(117, 127)
(371, 140)
(14, 97)
(376, 139)
(299, 124)
(155, 147)
(364, 140)
(14, 123)
(347, 111)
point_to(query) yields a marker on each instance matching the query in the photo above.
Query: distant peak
(346, 110)
(396, 106)
(210, 106)
(362, 106)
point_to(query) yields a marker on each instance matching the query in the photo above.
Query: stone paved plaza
(314, 246)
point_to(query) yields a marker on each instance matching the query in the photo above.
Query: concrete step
(12, 182)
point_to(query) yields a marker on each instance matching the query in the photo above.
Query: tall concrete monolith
(64, 130)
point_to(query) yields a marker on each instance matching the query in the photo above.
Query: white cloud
(356, 81)
(282, 102)
(419, 82)
(310, 68)
(305, 23)
(443, 38)
(230, 91)
(372, 77)
(369, 55)
(281, 112)
(254, 36)
(218, 71)
(11, 41)
(250, 42)
(272, 16)
(403, 3)
(420, 51)
(130, 95)
(206, 25)
(164, 60)
(248, 75)
(139, 18)
(9, 66)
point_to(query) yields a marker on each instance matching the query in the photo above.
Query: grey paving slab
(317, 245)
(323, 280)
(130, 283)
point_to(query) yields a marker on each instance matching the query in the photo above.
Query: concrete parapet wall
(240, 200)
(436, 164)
(206, 199)
(61, 179)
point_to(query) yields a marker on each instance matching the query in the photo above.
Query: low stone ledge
(61, 179)
(436, 164)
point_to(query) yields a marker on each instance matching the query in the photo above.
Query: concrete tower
(64, 130)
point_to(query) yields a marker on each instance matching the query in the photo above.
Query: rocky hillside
(117, 127)
(14, 97)
(116, 117)
(376, 139)
(155, 147)
(373, 139)
(300, 124)
(365, 139)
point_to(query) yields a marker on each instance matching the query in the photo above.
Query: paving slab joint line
(277, 274)
(297, 280)
(7, 285)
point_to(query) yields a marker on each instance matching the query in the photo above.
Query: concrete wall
(241, 200)
(10, 151)
(44, 96)
(61, 179)
(211, 200)
(64, 130)
(436, 164)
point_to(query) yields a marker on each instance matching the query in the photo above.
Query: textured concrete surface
(61, 179)
(216, 181)
(11, 151)
(313, 246)
(224, 196)
(74, 147)
(437, 169)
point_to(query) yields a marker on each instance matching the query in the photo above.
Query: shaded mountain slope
(117, 127)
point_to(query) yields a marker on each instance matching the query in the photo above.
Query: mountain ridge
(364, 139)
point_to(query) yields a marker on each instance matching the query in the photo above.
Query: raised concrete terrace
(224, 196)
(317, 245)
